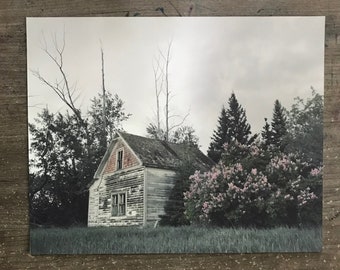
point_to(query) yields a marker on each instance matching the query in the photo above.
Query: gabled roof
(159, 154)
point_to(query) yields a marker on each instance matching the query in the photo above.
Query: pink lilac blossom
(306, 196)
(205, 195)
(254, 150)
(238, 167)
(315, 172)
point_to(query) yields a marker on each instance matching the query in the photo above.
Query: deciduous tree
(67, 147)
(305, 128)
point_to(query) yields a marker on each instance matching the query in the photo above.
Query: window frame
(120, 162)
(117, 205)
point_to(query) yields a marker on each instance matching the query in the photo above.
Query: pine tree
(278, 126)
(219, 137)
(274, 134)
(238, 128)
(266, 133)
(232, 126)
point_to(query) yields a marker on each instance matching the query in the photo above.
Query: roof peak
(159, 153)
(122, 133)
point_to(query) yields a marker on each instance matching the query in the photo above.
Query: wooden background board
(14, 233)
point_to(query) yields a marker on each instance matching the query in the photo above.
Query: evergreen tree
(232, 126)
(278, 126)
(219, 137)
(266, 133)
(238, 128)
(274, 135)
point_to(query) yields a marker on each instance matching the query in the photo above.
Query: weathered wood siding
(129, 158)
(92, 218)
(158, 183)
(130, 181)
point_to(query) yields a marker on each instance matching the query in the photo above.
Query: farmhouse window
(120, 159)
(118, 204)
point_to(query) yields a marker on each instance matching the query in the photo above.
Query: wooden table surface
(14, 230)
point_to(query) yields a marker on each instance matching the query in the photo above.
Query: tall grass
(174, 240)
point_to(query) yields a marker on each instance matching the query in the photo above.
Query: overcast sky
(260, 59)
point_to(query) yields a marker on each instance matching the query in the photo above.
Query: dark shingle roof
(160, 154)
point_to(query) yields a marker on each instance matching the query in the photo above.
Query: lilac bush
(258, 190)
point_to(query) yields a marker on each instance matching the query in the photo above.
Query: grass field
(188, 239)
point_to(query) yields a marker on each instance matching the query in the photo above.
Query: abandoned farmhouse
(134, 178)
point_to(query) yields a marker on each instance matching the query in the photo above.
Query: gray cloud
(261, 59)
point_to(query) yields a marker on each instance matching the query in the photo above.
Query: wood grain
(13, 134)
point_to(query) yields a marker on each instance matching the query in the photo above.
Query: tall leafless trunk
(158, 79)
(161, 79)
(104, 102)
(167, 94)
(166, 59)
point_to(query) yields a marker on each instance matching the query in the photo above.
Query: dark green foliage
(65, 153)
(62, 169)
(250, 156)
(232, 126)
(279, 129)
(115, 115)
(154, 132)
(183, 134)
(274, 135)
(238, 128)
(305, 128)
(174, 207)
(219, 137)
(275, 183)
(266, 134)
(186, 135)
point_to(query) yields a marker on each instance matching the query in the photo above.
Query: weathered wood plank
(129, 181)
(158, 185)
(13, 134)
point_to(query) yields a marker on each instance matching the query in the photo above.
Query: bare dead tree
(158, 79)
(167, 91)
(61, 87)
(161, 79)
(104, 100)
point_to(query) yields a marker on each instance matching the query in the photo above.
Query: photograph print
(175, 134)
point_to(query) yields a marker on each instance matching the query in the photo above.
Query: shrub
(174, 207)
(259, 191)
